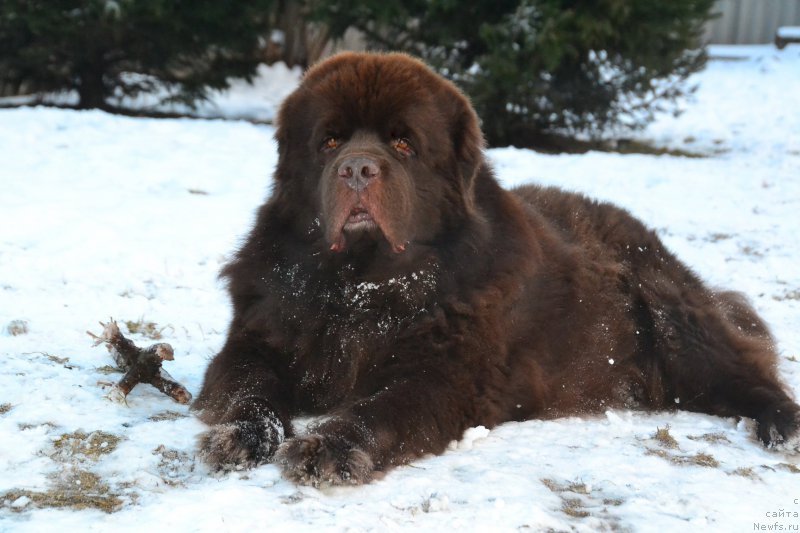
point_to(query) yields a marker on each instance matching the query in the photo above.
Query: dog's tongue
(358, 214)
(339, 244)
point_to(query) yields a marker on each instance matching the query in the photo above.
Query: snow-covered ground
(104, 216)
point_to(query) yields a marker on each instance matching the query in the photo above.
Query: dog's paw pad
(788, 444)
(235, 446)
(318, 461)
(779, 429)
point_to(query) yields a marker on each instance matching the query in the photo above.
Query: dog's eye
(330, 144)
(402, 145)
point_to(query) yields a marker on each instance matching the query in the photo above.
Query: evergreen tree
(105, 48)
(538, 67)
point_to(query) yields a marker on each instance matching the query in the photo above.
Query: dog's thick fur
(392, 285)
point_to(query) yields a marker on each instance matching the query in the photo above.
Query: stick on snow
(141, 365)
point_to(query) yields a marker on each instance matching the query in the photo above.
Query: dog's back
(696, 349)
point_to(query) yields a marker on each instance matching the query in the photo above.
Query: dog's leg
(243, 402)
(404, 420)
(717, 356)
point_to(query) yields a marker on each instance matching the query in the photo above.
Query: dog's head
(378, 147)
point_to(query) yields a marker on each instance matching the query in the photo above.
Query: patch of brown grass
(663, 437)
(145, 328)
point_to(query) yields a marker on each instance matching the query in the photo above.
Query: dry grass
(747, 472)
(64, 361)
(570, 505)
(579, 501)
(144, 328)
(789, 467)
(703, 459)
(82, 445)
(788, 295)
(573, 507)
(166, 415)
(57, 498)
(663, 437)
(713, 438)
(699, 459)
(717, 237)
(73, 485)
(575, 487)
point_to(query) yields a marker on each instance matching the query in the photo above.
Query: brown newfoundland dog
(391, 285)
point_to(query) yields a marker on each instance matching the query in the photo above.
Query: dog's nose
(359, 171)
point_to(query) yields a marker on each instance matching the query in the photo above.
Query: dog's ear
(468, 142)
(293, 174)
(293, 183)
(286, 135)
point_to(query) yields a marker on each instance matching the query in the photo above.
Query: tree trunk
(92, 91)
(303, 41)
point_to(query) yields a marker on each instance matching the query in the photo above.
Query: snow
(104, 216)
(789, 32)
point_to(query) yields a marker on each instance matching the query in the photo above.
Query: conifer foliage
(538, 67)
(106, 48)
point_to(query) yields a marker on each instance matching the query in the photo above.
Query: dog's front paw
(238, 445)
(317, 460)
